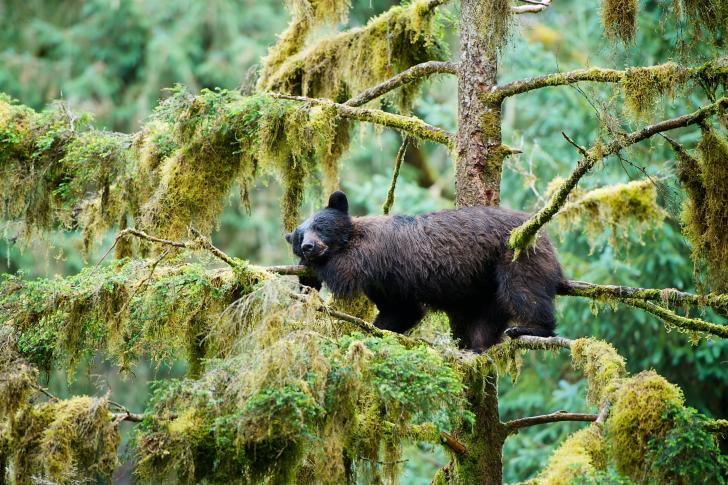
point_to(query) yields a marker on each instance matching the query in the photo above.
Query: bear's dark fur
(457, 261)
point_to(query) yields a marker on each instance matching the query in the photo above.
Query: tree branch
(670, 317)
(407, 76)
(541, 343)
(408, 124)
(524, 235)
(716, 301)
(594, 74)
(719, 426)
(451, 442)
(395, 174)
(517, 424)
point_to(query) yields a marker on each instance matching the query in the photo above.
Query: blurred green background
(114, 58)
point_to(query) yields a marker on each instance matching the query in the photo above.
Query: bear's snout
(312, 248)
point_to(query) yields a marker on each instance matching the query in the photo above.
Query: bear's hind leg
(398, 317)
(478, 329)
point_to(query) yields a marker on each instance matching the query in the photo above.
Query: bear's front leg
(398, 317)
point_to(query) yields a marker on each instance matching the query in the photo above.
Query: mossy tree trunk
(479, 152)
(477, 182)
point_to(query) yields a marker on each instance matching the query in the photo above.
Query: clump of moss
(644, 85)
(17, 378)
(581, 456)
(602, 365)
(622, 211)
(339, 66)
(636, 417)
(620, 19)
(705, 222)
(64, 440)
(709, 15)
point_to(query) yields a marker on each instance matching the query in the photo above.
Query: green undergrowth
(621, 212)
(342, 65)
(705, 211)
(58, 171)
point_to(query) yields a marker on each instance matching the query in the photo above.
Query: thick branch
(524, 235)
(516, 424)
(408, 124)
(407, 76)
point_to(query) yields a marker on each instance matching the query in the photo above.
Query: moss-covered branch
(407, 124)
(517, 424)
(524, 235)
(716, 301)
(414, 73)
(637, 81)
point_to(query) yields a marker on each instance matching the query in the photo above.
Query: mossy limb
(602, 365)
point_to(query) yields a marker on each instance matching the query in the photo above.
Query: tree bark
(479, 152)
(477, 182)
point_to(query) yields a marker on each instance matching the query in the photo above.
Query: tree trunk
(479, 152)
(477, 182)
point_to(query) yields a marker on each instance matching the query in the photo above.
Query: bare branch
(395, 173)
(408, 124)
(407, 76)
(451, 442)
(128, 416)
(524, 235)
(516, 424)
(670, 317)
(541, 343)
(521, 9)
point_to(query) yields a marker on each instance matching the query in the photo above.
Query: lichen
(620, 19)
(621, 212)
(636, 417)
(602, 366)
(494, 19)
(643, 87)
(346, 63)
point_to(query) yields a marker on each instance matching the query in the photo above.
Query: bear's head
(325, 233)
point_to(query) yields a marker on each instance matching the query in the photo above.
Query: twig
(521, 9)
(579, 148)
(407, 76)
(218, 253)
(516, 424)
(153, 266)
(451, 442)
(524, 235)
(45, 391)
(603, 412)
(397, 164)
(128, 416)
(408, 124)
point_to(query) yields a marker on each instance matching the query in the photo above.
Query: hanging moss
(578, 458)
(63, 441)
(636, 417)
(644, 85)
(602, 365)
(620, 19)
(709, 15)
(342, 65)
(705, 222)
(121, 309)
(620, 212)
(17, 378)
(494, 20)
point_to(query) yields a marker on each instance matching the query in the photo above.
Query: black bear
(457, 261)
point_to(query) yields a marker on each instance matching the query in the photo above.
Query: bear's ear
(289, 237)
(338, 201)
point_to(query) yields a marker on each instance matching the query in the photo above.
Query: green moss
(64, 440)
(602, 366)
(636, 417)
(705, 222)
(644, 85)
(17, 378)
(339, 66)
(580, 456)
(494, 20)
(709, 15)
(620, 19)
(619, 211)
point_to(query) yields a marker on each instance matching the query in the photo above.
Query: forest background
(115, 58)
